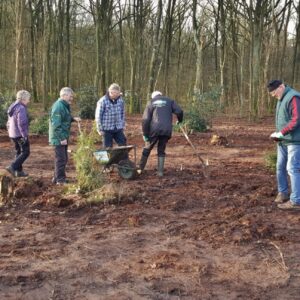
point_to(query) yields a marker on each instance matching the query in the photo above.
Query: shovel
(79, 127)
(204, 164)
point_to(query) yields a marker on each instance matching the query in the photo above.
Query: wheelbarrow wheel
(127, 169)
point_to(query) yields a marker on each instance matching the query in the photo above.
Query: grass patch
(270, 160)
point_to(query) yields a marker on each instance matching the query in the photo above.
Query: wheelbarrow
(118, 157)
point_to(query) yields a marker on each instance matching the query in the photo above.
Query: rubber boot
(160, 166)
(143, 162)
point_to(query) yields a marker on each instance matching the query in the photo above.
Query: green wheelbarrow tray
(118, 157)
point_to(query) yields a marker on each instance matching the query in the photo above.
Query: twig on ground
(281, 263)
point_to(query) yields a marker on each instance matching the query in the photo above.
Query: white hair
(156, 93)
(114, 87)
(23, 95)
(65, 91)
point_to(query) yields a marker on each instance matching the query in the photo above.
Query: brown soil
(180, 237)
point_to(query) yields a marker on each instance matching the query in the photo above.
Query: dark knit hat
(273, 84)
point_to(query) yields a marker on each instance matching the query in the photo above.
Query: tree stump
(6, 188)
(219, 140)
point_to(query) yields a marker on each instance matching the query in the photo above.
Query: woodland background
(183, 48)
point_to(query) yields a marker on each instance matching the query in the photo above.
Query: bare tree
(102, 14)
(201, 40)
(154, 63)
(168, 36)
(20, 11)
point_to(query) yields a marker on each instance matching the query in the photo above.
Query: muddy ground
(180, 237)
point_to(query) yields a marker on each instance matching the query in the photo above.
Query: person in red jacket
(287, 136)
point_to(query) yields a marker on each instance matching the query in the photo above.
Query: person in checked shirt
(110, 117)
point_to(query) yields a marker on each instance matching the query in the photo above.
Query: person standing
(157, 127)
(287, 136)
(110, 117)
(59, 132)
(18, 131)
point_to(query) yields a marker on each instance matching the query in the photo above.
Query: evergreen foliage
(5, 101)
(40, 125)
(88, 170)
(271, 160)
(87, 101)
(202, 109)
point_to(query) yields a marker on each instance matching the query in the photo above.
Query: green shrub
(87, 101)
(88, 170)
(270, 160)
(40, 125)
(5, 101)
(195, 122)
(202, 109)
(3, 117)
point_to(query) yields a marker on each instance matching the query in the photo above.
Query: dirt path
(180, 237)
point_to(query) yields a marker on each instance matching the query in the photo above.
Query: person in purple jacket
(18, 127)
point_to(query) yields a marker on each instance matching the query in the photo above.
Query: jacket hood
(13, 108)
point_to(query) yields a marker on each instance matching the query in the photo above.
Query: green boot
(143, 162)
(160, 166)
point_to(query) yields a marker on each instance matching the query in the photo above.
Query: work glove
(77, 119)
(64, 142)
(23, 140)
(145, 138)
(276, 136)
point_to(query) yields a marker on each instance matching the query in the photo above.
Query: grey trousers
(61, 159)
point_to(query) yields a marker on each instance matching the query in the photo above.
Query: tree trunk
(223, 54)
(154, 63)
(168, 41)
(33, 54)
(199, 40)
(296, 55)
(68, 43)
(20, 8)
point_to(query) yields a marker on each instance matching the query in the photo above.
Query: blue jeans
(288, 163)
(117, 135)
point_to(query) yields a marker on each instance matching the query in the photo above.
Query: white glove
(276, 136)
(77, 119)
(64, 142)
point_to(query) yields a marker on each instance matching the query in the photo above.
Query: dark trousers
(117, 135)
(61, 159)
(22, 152)
(162, 141)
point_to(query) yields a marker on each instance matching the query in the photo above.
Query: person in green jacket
(59, 132)
(287, 136)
